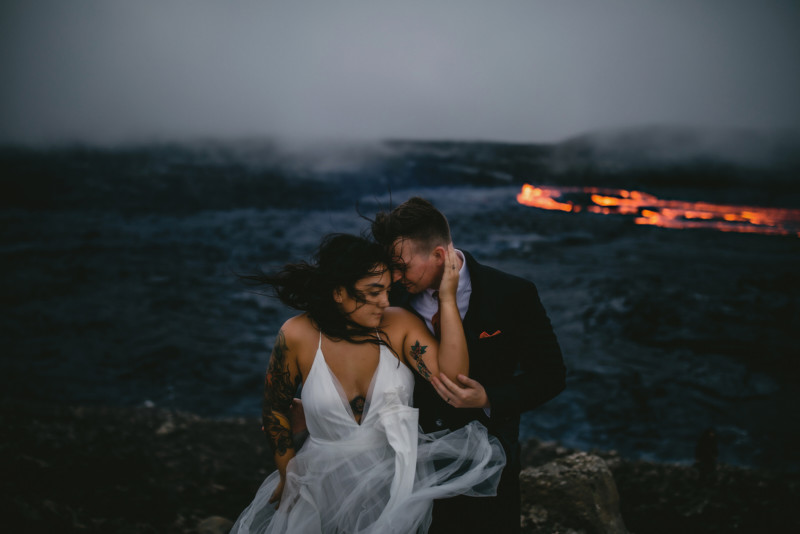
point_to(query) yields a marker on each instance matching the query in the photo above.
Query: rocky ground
(132, 470)
(662, 498)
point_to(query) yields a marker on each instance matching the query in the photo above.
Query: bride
(366, 467)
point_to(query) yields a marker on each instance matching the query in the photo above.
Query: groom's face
(415, 267)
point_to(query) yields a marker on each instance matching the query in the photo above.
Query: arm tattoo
(416, 353)
(279, 389)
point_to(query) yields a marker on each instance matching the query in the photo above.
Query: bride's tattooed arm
(279, 389)
(416, 353)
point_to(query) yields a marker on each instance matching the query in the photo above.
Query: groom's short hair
(415, 219)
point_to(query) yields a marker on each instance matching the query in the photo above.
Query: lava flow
(648, 209)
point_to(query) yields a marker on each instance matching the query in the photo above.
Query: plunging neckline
(340, 389)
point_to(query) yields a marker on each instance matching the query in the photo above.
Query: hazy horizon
(115, 72)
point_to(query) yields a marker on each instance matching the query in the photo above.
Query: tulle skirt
(356, 486)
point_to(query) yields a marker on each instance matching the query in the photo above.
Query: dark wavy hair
(416, 219)
(340, 261)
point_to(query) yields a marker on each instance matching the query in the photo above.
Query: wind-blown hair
(340, 261)
(415, 219)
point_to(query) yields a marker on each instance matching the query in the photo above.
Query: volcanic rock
(576, 493)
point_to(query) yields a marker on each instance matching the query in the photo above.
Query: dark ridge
(185, 178)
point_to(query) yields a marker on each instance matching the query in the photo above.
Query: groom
(515, 362)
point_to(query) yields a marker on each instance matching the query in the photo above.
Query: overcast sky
(506, 70)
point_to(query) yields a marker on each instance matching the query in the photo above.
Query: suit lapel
(473, 311)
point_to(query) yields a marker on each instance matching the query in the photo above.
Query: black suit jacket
(513, 353)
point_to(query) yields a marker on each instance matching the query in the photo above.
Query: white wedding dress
(380, 476)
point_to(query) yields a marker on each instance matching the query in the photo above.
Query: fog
(525, 70)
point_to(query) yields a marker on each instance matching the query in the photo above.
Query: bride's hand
(449, 284)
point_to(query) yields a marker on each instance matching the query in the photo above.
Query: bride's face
(373, 299)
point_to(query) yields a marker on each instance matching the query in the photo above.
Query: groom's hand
(468, 393)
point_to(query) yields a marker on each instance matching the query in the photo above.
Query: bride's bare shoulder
(299, 332)
(397, 314)
(399, 321)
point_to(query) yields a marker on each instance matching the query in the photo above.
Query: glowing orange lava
(650, 210)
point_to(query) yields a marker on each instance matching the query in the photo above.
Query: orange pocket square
(485, 334)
